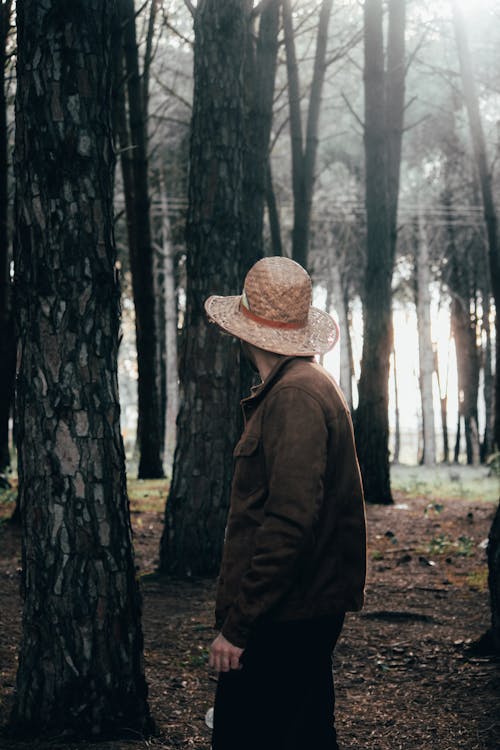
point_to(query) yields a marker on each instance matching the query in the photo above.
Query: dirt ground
(406, 677)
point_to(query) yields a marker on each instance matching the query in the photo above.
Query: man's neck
(265, 361)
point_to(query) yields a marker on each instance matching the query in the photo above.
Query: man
(294, 552)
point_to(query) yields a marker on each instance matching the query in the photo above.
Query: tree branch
(352, 110)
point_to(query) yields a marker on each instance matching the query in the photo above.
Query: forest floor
(407, 676)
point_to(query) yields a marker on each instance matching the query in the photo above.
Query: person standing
(294, 556)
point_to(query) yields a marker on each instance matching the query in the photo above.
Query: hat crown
(279, 289)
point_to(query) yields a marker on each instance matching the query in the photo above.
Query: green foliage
(442, 544)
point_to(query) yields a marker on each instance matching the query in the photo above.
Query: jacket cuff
(234, 631)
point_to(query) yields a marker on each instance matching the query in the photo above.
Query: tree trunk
(372, 419)
(7, 345)
(80, 669)
(464, 333)
(304, 158)
(339, 299)
(494, 579)
(425, 352)
(170, 313)
(272, 210)
(141, 255)
(489, 385)
(395, 103)
(209, 416)
(490, 216)
(260, 72)
(443, 400)
(397, 420)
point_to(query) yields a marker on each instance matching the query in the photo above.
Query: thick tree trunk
(7, 345)
(80, 669)
(490, 215)
(141, 255)
(209, 416)
(304, 155)
(494, 579)
(425, 352)
(371, 419)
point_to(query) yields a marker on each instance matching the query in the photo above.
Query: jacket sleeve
(295, 437)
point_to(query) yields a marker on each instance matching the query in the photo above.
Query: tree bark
(343, 319)
(141, 254)
(489, 385)
(395, 103)
(272, 210)
(170, 314)
(443, 402)
(372, 419)
(7, 345)
(494, 579)
(209, 416)
(304, 155)
(464, 333)
(425, 352)
(80, 670)
(490, 215)
(260, 73)
(397, 420)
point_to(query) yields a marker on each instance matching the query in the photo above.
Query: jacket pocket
(248, 471)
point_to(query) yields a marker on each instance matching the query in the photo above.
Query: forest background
(360, 139)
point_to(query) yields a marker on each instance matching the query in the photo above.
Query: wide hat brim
(317, 336)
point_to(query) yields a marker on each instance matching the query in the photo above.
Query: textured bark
(494, 579)
(272, 210)
(7, 346)
(133, 132)
(340, 306)
(395, 103)
(170, 316)
(80, 668)
(489, 386)
(425, 353)
(397, 420)
(490, 214)
(304, 155)
(371, 419)
(464, 333)
(443, 399)
(209, 415)
(260, 73)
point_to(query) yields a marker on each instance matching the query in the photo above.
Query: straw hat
(274, 312)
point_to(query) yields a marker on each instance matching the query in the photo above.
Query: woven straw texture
(277, 290)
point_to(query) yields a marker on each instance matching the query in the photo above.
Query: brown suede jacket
(295, 545)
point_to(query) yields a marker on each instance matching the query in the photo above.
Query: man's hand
(223, 655)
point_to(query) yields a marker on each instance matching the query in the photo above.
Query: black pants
(283, 697)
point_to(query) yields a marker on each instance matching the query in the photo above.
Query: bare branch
(352, 110)
(189, 5)
(345, 48)
(173, 93)
(415, 124)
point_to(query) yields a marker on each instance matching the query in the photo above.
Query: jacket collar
(258, 391)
